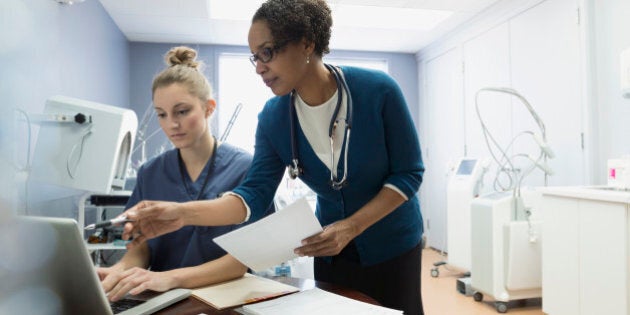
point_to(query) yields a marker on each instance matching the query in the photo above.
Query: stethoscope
(294, 169)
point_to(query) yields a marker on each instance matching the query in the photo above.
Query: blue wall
(47, 49)
(75, 50)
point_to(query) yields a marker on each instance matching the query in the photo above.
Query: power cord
(505, 163)
(71, 173)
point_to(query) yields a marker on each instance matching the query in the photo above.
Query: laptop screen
(45, 268)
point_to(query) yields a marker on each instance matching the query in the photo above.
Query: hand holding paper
(271, 240)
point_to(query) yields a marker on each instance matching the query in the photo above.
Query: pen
(115, 221)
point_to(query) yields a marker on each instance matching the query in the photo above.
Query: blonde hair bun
(184, 68)
(182, 55)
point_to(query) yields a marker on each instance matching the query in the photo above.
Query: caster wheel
(478, 296)
(501, 307)
(435, 272)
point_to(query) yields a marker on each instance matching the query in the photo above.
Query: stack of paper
(315, 301)
(247, 289)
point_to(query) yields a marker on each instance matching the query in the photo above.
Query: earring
(308, 59)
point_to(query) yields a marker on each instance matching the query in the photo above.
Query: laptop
(61, 268)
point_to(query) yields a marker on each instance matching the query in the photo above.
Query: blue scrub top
(160, 179)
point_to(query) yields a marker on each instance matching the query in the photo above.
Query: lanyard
(208, 173)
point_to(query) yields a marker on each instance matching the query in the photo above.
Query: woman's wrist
(187, 213)
(173, 279)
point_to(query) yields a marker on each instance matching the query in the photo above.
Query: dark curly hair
(292, 20)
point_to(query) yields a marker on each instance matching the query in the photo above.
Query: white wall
(534, 46)
(611, 32)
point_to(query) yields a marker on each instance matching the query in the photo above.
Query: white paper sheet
(315, 302)
(271, 240)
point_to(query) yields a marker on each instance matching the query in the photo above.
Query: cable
(544, 146)
(512, 168)
(27, 165)
(505, 164)
(542, 142)
(504, 158)
(74, 147)
(28, 143)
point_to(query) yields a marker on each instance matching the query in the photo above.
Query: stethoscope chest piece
(338, 185)
(294, 170)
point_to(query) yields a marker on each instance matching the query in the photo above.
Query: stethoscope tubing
(294, 169)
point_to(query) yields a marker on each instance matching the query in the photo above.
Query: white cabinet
(586, 251)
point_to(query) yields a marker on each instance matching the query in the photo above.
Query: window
(239, 84)
(377, 64)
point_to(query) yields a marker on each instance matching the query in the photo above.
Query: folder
(247, 289)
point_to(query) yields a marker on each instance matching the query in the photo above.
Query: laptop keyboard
(124, 304)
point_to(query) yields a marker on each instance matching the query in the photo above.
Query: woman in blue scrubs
(198, 168)
(348, 134)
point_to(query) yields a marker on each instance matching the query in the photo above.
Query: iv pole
(226, 132)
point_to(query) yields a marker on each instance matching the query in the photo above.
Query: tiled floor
(440, 296)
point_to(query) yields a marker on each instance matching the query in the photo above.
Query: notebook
(247, 289)
(63, 271)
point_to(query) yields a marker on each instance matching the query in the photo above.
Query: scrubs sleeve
(403, 146)
(264, 175)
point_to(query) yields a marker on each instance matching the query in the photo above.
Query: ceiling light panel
(178, 8)
(387, 17)
(450, 5)
(235, 10)
(377, 3)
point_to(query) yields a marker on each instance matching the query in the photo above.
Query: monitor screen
(466, 167)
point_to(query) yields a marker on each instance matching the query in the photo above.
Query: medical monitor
(83, 145)
(466, 167)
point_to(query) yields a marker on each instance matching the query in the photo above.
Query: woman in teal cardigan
(371, 214)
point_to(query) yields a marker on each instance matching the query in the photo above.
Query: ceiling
(197, 22)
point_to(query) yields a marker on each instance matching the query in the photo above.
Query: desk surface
(192, 306)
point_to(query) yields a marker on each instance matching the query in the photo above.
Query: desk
(192, 306)
(586, 251)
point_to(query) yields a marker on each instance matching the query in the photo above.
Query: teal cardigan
(384, 149)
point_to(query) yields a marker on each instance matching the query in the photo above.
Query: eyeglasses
(266, 54)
